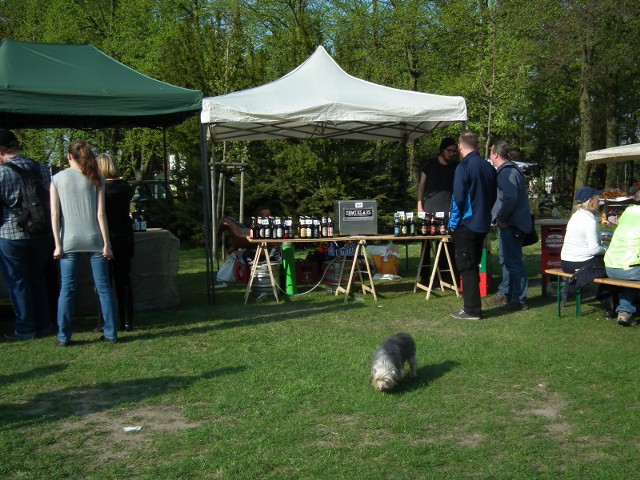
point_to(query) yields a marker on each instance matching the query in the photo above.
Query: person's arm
(458, 198)
(421, 186)
(55, 221)
(592, 238)
(102, 223)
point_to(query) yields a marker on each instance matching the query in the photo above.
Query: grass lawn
(282, 391)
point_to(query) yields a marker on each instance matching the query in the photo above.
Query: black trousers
(120, 272)
(468, 254)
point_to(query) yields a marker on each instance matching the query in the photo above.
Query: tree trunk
(586, 138)
(615, 177)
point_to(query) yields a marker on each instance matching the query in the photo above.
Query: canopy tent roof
(78, 86)
(320, 100)
(623, 153)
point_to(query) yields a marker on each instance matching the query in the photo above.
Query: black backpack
(33, 208)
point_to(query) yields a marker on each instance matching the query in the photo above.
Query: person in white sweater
(582, 238)
(582, 249)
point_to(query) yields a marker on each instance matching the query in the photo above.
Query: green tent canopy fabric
(78, 86)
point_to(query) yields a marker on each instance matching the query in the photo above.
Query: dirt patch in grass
(550, 408)
(104, 431)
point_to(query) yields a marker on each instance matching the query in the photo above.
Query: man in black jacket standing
(474, 193)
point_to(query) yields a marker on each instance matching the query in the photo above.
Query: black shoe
(608, 304)
(107, 340)
(610, 314)
(462, 315)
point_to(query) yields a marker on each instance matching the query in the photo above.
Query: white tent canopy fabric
(320, 100)
(623, 153)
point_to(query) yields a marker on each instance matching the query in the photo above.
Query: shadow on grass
(425, 375)
(537, 301)
(93, 398)
(245, 317)
(33, 373)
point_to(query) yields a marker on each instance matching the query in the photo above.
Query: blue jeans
(628, 296)
(23, 263)
(515, 284)
(68, 275)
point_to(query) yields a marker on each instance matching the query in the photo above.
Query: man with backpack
(512, 216)
(25, 238)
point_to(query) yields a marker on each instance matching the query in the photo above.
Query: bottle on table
(302, 232)
(253, 228)
(442, 224)
(309, 227)
(433, 226)
(424, 228)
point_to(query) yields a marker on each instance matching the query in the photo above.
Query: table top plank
(351, 238)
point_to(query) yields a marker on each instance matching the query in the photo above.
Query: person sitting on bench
(583, 251)
(622, 261)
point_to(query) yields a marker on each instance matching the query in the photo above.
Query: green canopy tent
(78, 86)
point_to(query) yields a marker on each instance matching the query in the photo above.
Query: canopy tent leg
(208, 230)
(166, 161)
(214, 203)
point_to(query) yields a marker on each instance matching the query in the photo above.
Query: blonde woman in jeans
(80, 228)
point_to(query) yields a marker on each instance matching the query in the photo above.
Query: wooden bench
(605, 281)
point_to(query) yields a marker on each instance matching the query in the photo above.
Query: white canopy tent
(623, 153)
(319, 100)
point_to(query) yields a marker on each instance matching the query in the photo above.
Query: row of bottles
(139, 220)
(405, 224)
(312, 227)
(278, 227)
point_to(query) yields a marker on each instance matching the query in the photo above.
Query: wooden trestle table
(437, 242)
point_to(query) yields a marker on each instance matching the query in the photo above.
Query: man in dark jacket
(512, 216)
(23, 256)
(474, 193)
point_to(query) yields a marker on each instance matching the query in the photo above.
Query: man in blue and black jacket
(474, 193)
